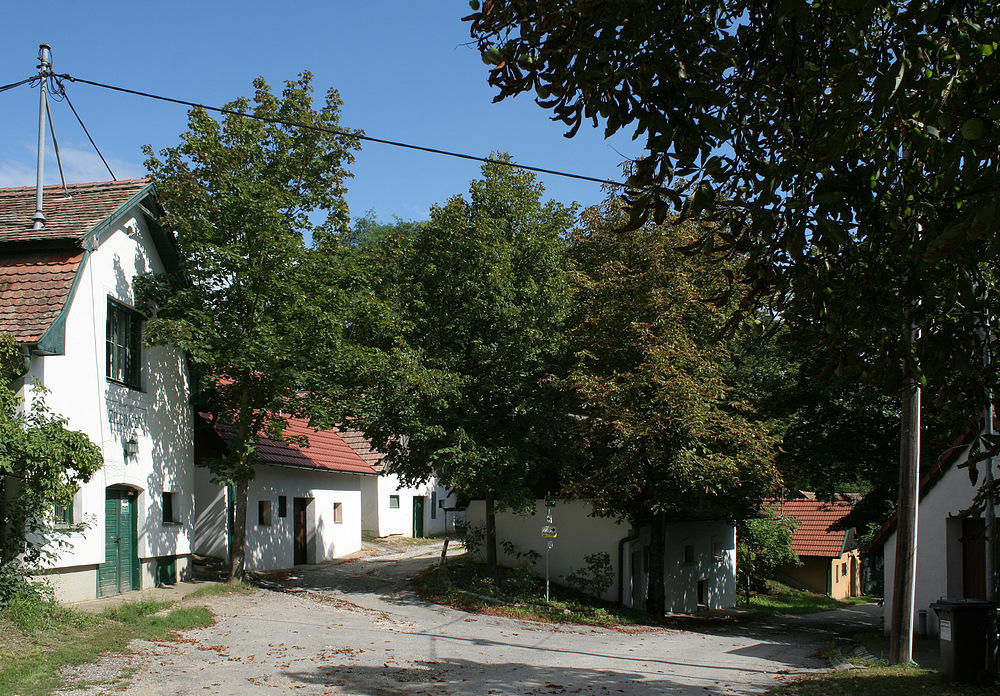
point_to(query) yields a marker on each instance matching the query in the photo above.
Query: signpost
(548, 533)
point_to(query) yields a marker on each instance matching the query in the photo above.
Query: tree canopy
(259, 301)
(848, 149)
(664, 434)
(480, 294)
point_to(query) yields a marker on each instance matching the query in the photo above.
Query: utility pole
(904, 573)
(44, 70)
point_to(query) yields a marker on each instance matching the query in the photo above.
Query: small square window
(124, 335)
(394, 502)
(63, 515)
(264, 513)
(338, 513)
(282, 506)
(168, 508)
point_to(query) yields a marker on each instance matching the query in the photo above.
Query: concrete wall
(939, 549)
(157, 416)
(700, 556)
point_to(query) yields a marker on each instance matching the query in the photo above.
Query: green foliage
(42, 638)
(848, 153)
(473, 537)
(42, 463)
(511, 551)
(262, 313)
(660, 429)
(480, 296)
(764, 544)
(596, 578)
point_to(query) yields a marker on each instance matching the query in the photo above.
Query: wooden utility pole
(904, 573)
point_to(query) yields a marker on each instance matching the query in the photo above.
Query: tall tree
(481, 294)
(849, 150)
(251, 304)
(664, 431)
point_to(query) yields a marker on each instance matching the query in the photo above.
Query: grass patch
(519, 595)
(40, 638)
(880, 681)
(782, 599)
(522, 595)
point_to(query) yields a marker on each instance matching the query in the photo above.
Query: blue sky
(404, 70)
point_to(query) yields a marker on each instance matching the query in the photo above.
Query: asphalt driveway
(356, 628)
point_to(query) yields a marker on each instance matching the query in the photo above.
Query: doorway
(120, 570)
(418, 516)
(300, 507)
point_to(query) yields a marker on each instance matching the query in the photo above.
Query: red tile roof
(66, 218)
(34, 287)
(811, 537)
(357, 441)
(326, 450)
(38, 267)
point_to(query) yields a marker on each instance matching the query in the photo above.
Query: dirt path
(357, 628)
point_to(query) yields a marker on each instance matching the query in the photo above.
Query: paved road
(355, 628)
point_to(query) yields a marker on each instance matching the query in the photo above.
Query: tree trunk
(491, 533)
(655, 597)
(237, 554)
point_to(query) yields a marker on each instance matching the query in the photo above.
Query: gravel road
(356, 628)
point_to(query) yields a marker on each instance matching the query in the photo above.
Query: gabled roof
(815, 517)
(326, 450)
(67, 218)
(38, 268)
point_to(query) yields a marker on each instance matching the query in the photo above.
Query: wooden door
(120, 570)
(418, 516)
(301, 540)
(973, 558)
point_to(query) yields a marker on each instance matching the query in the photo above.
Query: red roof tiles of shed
(326, 450)
(811, 537)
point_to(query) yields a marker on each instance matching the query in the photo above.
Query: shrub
(596, 578)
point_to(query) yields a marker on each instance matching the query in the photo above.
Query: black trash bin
(964, 626)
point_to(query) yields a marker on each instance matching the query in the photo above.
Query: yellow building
(831, 563)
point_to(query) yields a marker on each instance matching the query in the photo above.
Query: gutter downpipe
(44, 70)
(637, 529)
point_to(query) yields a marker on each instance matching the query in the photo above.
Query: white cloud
(81, 165)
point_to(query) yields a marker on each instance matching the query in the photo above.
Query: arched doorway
(120, 570)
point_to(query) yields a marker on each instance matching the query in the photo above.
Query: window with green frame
(63, 514)
(124, 333)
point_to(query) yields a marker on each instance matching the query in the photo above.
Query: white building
(389, 508)
(699, 565)
(66, 294)
(305, 503)
(951, 546)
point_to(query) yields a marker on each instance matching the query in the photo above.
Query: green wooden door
(418, 516)
(120, 570)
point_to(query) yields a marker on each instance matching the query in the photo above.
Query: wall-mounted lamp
(131, 447)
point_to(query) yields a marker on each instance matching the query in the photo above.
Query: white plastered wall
(580, 534)
(158, 417)
(939, 550)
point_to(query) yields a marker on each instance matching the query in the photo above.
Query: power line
(337, 131)
(18, 84)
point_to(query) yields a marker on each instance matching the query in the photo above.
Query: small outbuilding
(305, 502)
(831, 561)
